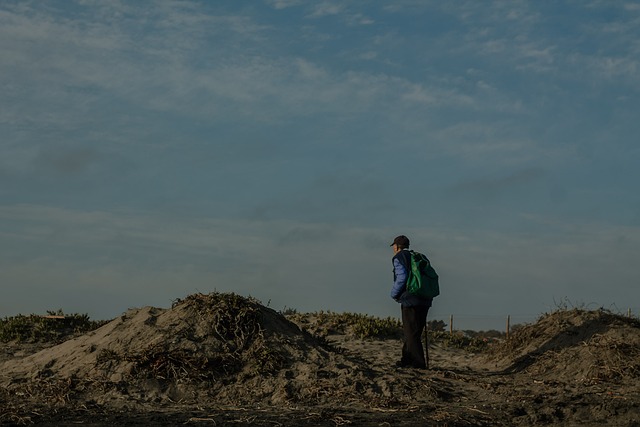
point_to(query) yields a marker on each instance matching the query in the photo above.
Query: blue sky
(149, 150)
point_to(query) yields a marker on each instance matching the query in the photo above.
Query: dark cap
(402, 241)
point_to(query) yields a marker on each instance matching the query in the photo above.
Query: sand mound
(219, 348)
(586, 346)
(222, 359)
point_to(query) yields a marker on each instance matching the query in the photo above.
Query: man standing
(414, 308)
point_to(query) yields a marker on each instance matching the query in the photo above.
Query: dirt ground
(224, 360)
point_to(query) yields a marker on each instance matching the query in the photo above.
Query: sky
(274, 148)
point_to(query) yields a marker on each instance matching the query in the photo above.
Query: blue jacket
(401, 267)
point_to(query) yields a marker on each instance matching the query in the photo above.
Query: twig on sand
(477, 410)
(339, 421)
(407, 409)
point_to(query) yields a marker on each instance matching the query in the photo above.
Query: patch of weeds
(287, 311)
(373, 327)
(459, 340)
(55, 327)
(106, 355)
(361, 326)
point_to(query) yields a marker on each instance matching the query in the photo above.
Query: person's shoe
(401, 364)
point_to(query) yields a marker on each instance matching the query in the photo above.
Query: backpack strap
(404, 256)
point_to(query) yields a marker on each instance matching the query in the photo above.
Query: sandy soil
(225, 360)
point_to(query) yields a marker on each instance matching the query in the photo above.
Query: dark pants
(414, 320)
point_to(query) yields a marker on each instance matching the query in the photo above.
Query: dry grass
(232, 341)
(614, 358)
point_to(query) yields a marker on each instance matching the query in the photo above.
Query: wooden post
(628, 312)
(451, 324)
(508, 325)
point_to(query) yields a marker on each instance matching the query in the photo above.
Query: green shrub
(459, 340)
(35, 328)
(359, 325)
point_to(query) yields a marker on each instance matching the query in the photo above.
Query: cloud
(612, 68)
(80, 62)
(221, 67)
(342, 197)
(83, 68)
(67, 160)
(140, 258)
(283, 4)
(138, 253)
(326, 8)
(135, 138)
(490, 186)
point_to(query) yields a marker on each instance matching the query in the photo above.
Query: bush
(459, 340)
(359, 325)
(35, 328)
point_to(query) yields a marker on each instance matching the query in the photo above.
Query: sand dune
(222, 359)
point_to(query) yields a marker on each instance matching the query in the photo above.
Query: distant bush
(35, 328)
(492, 334)
(359, 325)
(461, 340)
(362, 326)
(374, 327)
(436, 325)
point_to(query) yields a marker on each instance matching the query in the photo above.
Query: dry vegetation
(221, 359)
(593, 346)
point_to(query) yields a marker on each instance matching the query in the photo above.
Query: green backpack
(423, 279)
